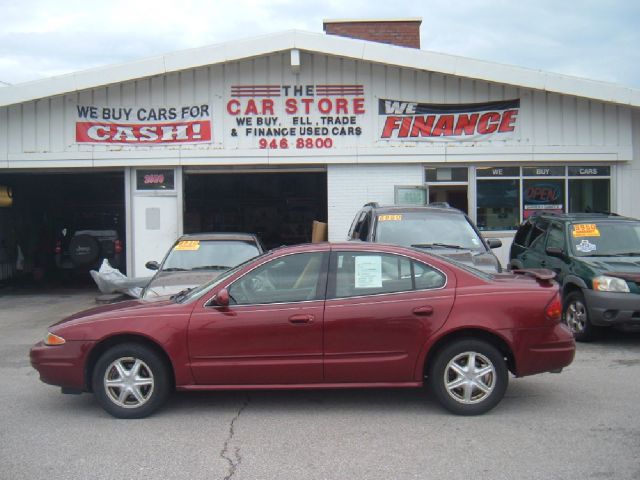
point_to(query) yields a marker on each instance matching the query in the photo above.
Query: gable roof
(324, 44)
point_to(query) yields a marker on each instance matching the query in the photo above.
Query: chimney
(404, 32)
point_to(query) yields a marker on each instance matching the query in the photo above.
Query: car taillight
(553, 310)
(117, 245)
(58, 248)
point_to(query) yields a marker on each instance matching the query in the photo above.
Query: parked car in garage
(597, 261)
(197, 258)
(90, 238)
(320, 315)
(437, 227)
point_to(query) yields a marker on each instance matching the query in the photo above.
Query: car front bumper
(612, 308)
(61, 365)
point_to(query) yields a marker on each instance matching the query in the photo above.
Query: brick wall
(405, 33)
(349, 187)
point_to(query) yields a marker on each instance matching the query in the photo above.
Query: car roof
(414, 208)
(241, 237)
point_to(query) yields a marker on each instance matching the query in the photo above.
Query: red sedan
(318, 316)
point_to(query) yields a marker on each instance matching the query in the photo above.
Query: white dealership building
(270, 133)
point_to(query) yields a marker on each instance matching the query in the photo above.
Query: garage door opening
(279, 207)
(61, 225)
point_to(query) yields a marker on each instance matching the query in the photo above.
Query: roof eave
(324, 44)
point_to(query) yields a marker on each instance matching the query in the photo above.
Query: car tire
(83, 250)
(469, 391)
(576, 316)
(130, 381)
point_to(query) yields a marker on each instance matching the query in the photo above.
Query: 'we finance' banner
(143, 125)
(412, 121)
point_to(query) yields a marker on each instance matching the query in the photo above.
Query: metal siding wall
(47, 126)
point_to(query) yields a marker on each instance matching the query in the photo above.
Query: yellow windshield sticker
(586, 230)
(188, 245)
(389, 218)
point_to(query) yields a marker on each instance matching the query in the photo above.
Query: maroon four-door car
(318, 316)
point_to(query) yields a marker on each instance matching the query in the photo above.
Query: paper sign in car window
(585, 230)
(389, 218)
(368, 271)
(188, 245)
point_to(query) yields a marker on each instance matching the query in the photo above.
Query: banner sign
(295, 116)
(415, 122)
(143, 125)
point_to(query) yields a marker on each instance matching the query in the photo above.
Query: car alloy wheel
(576, 317)
(128, 382)
(131, 380)
(469, 376)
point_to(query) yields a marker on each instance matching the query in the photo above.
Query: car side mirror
(494, 243)
(222, 298)
(555, 252)
(152, 265)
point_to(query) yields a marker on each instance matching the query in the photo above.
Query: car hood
(613, 264)
(169, 283)
(485, 261)
(121, 309)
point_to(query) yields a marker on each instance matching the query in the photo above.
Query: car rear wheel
(130, 381)
(576, 317)
(469, 377)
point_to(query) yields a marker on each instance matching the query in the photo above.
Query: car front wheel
(469, 377)
(130, 381)
(576, 316)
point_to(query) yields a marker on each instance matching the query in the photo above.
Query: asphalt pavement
(583, 423)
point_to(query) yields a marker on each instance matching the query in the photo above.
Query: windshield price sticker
(586, 230)
(585, 246)
(188, 245)
(389, 218)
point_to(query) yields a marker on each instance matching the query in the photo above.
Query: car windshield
(208, 254)
(605, 238)
(427, 229)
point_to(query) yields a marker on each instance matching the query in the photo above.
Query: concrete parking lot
(581, 424)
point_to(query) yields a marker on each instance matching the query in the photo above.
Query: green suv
(597, 261)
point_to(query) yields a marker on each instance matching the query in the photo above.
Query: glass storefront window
(589, 195)
(498, 204)
(503, 202)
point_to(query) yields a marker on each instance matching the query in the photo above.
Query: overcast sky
(593, 39)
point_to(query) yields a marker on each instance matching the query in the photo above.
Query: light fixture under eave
(295, 61)
(6, 196)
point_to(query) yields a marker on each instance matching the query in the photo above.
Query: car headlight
(604, 283)
(52, 339)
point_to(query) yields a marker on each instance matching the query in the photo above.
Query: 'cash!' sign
(411, 121)
(143, 125)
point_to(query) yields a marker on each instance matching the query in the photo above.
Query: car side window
(364, 273)
(358, 226)
(293, 278)
(364, 227)
(555, 237)
(536, 240)
(521, 235)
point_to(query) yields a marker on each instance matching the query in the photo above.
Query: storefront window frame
(473, 185)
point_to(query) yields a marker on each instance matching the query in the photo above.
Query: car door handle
(301, 318)
(543, 263)
(423, 311)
